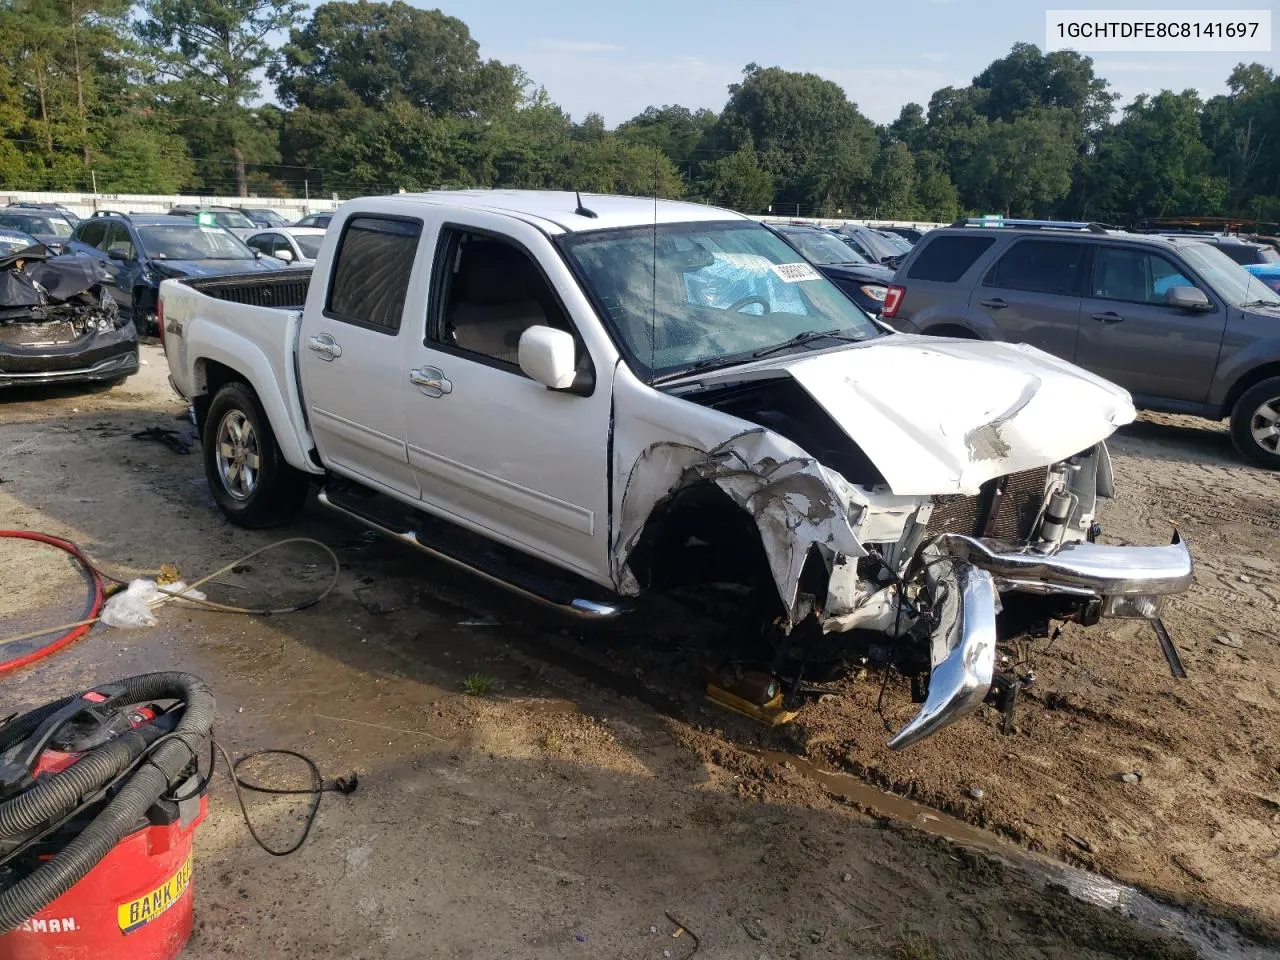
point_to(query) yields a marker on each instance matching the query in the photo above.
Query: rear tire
(251, 482)
(1255, 424)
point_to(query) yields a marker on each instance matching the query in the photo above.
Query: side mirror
(1188, 298)
(285, 254)
(115, 253)
(548, 355)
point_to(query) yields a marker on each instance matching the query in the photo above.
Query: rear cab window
(1039, 266)
(371, 269)
(946, 258)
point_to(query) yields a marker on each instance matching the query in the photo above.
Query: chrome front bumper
(963, 653)
(1077, 569)
(1129, 582)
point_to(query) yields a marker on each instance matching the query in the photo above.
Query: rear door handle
(326, 346)
(995, 303)
(1109, 317)
(431, 381)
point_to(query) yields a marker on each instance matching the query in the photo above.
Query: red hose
(94, 607)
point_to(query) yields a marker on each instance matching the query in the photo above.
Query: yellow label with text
(140, 912)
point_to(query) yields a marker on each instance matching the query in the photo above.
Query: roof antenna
(653, 290)
(583, 211)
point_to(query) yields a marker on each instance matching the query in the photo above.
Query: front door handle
(431, 381)
(1109, 317)
(995, 303)
(326, 346)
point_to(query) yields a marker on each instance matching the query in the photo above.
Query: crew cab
(589, 399)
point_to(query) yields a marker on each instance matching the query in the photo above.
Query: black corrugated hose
(167, 757)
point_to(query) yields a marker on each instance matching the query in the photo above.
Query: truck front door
(493, 449)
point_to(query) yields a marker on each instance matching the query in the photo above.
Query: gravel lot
(593, 792)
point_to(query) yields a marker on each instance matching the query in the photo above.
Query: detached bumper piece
(1130, 581)
(962, 653)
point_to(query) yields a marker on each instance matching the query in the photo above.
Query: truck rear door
(354, 342)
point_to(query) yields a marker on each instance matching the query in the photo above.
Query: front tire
(251, 482)
(1255, 424)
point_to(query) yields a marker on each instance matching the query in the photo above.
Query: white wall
(86, 203)
(294, 207)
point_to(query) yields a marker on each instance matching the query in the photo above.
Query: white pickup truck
(588, 399)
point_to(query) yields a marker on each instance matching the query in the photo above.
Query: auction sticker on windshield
(795, 272)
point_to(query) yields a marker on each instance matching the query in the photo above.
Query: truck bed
(284, 290)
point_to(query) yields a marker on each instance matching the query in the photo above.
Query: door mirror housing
(115, 253)
(285, 254)
(1188, 298)
(549, 356)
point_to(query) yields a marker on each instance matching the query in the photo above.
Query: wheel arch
(1245, 381)
(216, 363)
(952, 328)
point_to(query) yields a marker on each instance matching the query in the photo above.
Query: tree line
(168, 96)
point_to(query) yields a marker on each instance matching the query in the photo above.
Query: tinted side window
(262, 241)
(371, 271)
(946, 258)
(93, 233)
(1039, 266)
(1136, 276)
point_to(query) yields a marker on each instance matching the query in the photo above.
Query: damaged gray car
(58, 321)
(594, 399)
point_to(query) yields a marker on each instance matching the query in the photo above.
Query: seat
(492, 301)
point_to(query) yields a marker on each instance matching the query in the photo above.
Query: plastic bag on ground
(132, 607)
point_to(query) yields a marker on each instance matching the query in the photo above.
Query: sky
(615, 58)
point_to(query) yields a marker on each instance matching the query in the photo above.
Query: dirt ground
(589, 802)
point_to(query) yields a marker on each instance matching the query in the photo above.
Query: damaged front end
(1051, 569)
(59, 321)
(866, 564)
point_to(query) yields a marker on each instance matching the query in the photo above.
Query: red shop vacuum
(100, 797)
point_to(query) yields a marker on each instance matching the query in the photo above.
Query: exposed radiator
(1018, 503)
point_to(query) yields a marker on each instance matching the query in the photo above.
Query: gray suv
(1172, 320)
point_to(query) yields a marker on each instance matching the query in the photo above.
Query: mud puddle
(1212, 940)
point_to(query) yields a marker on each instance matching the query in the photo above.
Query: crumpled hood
(945, 416)
(940, 416)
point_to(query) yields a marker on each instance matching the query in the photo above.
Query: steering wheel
(747, 301)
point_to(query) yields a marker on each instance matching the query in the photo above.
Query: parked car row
(122, 259)
(139, 251)
(245, 220)
(1174, 319)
